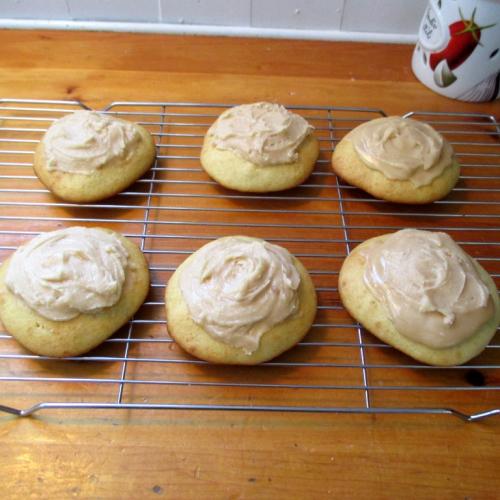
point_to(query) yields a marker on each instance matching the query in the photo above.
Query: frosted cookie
(420, 292)
(66, 291)
(397, 159)
(86, 156)
(260, 148)
(239, 300)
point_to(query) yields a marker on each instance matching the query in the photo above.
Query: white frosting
(238, 288)
(262, 133)
(67, 272)
(85, 141)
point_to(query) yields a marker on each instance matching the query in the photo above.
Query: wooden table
(184, 454)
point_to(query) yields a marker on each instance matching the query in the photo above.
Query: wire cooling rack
(174, 210)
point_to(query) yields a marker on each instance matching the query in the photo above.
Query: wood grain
(188, 454)
(241, 455)
(101, 67)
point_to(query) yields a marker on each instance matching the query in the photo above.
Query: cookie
(239, 300)
(397, 159)
(85, 156)
(260, 147)
(421, 293)
(65, 292)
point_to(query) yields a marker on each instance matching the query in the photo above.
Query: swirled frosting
(262, 133)
(238, 288)
(429, 286)
(402, 149)
(64, 273)
(84, 141)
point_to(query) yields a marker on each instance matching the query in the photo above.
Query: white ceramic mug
(458, 49)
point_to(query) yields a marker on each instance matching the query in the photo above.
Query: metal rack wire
(338, 367)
